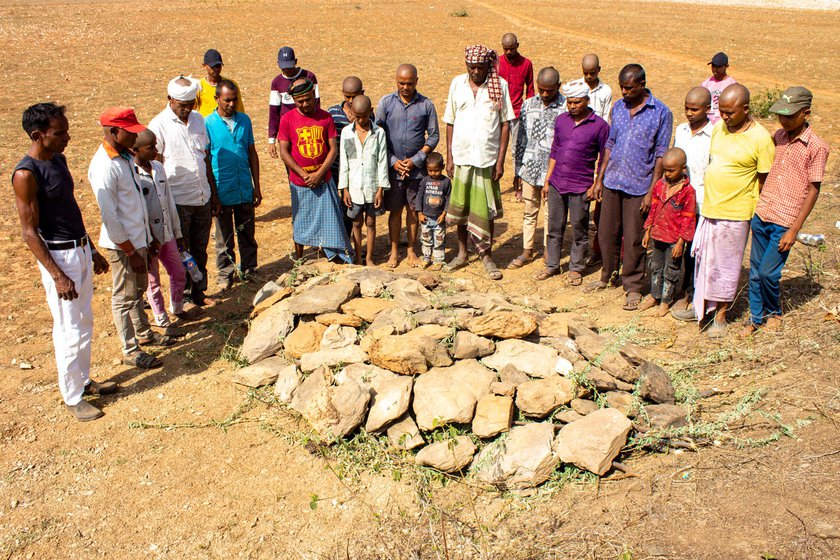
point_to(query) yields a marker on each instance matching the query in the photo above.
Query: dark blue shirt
(59, 217)
(229, 154)
(433, 196)
(409, 127)
(635, 143)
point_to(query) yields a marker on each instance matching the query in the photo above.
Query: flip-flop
(544, 274)
(156, 339)
(595, 286)
(519, 262)
(632, 302)
(575, 279)
(455, 264)
(492, 270)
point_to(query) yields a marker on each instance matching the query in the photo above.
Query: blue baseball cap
(212, 58)
(286, 58)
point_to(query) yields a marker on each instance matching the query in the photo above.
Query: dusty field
(185, 465)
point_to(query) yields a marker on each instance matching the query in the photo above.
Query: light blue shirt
(229, 151)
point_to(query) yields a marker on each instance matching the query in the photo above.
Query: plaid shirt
(536, 133)
(797, 164)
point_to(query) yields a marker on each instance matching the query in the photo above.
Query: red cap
(122, 117)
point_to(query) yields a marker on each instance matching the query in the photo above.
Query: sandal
(455, 264)
(575, 279)
(632, 302)
(519, 262)
(492, 270)
(595, 286)
(142, 360)
(544, 274)
(156, 339)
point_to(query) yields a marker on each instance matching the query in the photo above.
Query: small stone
(325, 298)
(467, 345)
(304, 339)
(537, 398)
(367, 308)
(288, 380)
(662, 417)
(503, 389)
(449, 395)
(523, 458)
(583, 407)
(395, 317)
(25, 365)
(493, 415)
(825, 530)
(623, 402)
(447, 456)
(266, 334)
(398, 354)
(579, 326)
(264, 372)
(435, 332)
(267, 290)
(594, 441)
(600, 379)
(267, 302)
(655, 384)
(511, 374)
(342, 319)
(404, 434)
(533, 359)
(332, 358)
(533, 302)
(563, 366)
(435, 353)
(428, 280)
(568, 416)
(371, 288)
(503, 324)
(450, 318)
(336, 336)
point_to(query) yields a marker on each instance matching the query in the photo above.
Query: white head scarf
(180, 92)
(576, 88)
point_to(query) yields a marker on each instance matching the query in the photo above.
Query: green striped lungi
(475, 200)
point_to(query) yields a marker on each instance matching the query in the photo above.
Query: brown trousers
(621, 217)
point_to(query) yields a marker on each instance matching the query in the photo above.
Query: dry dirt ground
(187, 465)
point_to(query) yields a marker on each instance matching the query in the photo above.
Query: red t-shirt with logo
(309, 136)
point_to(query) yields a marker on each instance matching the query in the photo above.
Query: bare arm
(657, 174)
(215, 206)
(598, 190)
(789, 238)
(504, 139)
(450, 165)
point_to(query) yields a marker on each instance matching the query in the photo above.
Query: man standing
(519, 74)
(639, 137)
(717, 82)
(53, 229)
(579, 140)
(280, 101)
(126, 232)
(308, 147)
(236, 168)
(411, 127)
(531, 153)
(741, 155)
(477, 117)
(182, 144)
(600, 94)
(205, 101)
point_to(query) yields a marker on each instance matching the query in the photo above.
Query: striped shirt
(280, 102)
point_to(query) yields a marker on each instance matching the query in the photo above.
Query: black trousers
(235, 225)
(665, 272)
(195, 228)
(577, 208)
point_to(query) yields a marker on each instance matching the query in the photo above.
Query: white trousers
(72, 321)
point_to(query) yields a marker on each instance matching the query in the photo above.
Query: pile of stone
(403, 355)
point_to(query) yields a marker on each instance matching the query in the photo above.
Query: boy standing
(205, 101)
(165, 226)
(717, 82)
(694, 138)
(281, 101)
(363, 176)
(788, 196)
(670, 224)
(432, 198)
(600, 94)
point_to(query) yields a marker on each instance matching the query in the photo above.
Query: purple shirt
(635, 143)
(575, 149)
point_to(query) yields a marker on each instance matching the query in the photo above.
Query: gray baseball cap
(792, 100)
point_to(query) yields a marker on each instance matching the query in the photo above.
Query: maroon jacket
(672, 219)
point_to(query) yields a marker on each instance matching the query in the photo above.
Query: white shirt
(696, 148)
(600, 100)
(364, 167)
(477, 123)
(183, 149)
(121, 205)
(171, 221)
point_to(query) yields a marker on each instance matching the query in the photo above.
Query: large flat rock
(449, 395)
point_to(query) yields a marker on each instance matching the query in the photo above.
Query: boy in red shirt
(670, 224)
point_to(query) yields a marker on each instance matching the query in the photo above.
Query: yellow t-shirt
(731, 179)
(205, 101)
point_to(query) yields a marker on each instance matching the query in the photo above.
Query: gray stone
(523, 458)
(533, 359)
(371, 288)
(435, 353)
(288, 380)
(398, 354)
(371, 274)
(336, 336)
(580, 326)
(394, 317)
(602, 351)
(448, 456)
(325, 298)
(662, 417)
(594, 441)
(263, 373)
(583, 407)
(484, 302)
(560, 346)
(449, 395)
(503, 324)
(511, 374)
(467, 345)
(268, 289)
(332, 358)
(537, 398)
(568, 416)
(493, 415)
(389, 401)
(449, 318)
(655, 384)
(266, 333)
(410, 294)
(350, 400)
(404, 434)
(368, 374)
(333, 412)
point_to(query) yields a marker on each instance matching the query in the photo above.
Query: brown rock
(533, 359)
(601, 351)
(583, 407)
(594, 441)
(449, 395)
(580, 326)
(395, 317)
(511, 374)
(435, 332)
(409, 294)
(264, 304)
(404, 434)
(333, 412)
(435, 353)
(523, 458)
(398, 354)
(634, 353)
(467, 345)
(503, 324)
(655, 384)
(447, 456)
(537, 398)
(342, 319)
(503, 389)
(450, 318)
(600, 379)
(367, 308)
(266, 333)
(262, 373)
(662, 417)
(568, 416)
(623, 402)
(305, 338)
(493, 415)
(336, 337)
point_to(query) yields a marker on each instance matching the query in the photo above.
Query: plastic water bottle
(191, 266)
(811, 239)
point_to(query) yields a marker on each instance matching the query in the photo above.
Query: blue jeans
(766, 264)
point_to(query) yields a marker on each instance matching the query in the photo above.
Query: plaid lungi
(318, 220)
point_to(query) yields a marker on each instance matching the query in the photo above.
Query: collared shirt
(160, 206)
(715, 88)
(520, 76)
(408, 127)
(575, 149)
(364, 166)
(281, 102)
(635, 143)
(696, 147)
(230, 157)
(600, 100)
(477, 122)
(533, 143)
(183, 149)
(205, 101)
(731, 181)
(117, 190)
(672, 219)
(796, 165)
(340, 120)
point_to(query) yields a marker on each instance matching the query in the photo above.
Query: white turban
(180, 92)
(576, 88)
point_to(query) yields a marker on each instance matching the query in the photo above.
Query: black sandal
(142, 360)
